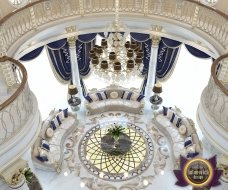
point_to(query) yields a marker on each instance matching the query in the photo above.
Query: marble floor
(75, 175)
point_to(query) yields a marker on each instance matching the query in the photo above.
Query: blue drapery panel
(144, 42)
(84, 44)
(32, 55)
(168, 52)
(58, 53)
(196, 52)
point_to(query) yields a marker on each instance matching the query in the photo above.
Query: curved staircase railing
(219, 72)
(214, 98)
(15, 111)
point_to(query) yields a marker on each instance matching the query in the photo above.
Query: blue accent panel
(60, 59)
(179, 120)
(139, 99)
(143, 87)
(106, 95)
(172, 118)
(45, 146)
(192, 154)
(58, 119)
(102, 34)
(42, 158)
(32, 55)
(171, 43)
(65, 112)
(165, 110)
(196, 52)
(88, 98)
(86, 38)
(84, 91)
(167, 55)
(139, 37)
(99, 96)
(52, 125)
(129, 95)
(122, 94)
(57, 44)
(188, 141)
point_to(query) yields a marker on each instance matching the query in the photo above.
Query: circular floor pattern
(116, 168)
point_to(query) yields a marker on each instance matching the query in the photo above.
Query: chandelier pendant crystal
(117, 59)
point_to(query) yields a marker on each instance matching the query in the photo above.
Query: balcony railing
(16, 24)
(219, 72)
(15, 111)
(195, 15)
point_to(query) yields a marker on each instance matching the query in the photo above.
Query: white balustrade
(14, 114)
(215, 104)
(190, 13)
(222, 74)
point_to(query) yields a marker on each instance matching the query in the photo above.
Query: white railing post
(195, 16)
(145, 7)
(152, 66)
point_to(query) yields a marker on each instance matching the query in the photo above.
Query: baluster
(81, 5)
(145, 7)
(195, 16)
(33, 18)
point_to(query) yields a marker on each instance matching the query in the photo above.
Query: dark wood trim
(213, 73)
(22, 85)
(5, 18)
(210, 8)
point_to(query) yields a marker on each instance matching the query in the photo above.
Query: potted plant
(116, 142)
(20, 177)
(116, 131)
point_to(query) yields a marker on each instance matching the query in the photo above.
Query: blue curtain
(84, 44)
(32, 55)
(196, 52)
(144, 41)
(168, 52)
(59, 56)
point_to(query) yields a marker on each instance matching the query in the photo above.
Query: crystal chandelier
(116, 59)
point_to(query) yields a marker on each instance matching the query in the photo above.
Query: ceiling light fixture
(117, 59)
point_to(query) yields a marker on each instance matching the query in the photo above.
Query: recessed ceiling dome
(18, 3)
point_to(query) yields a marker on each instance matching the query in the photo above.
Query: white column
(74, 65)
(152, 66)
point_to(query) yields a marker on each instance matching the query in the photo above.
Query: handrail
(19, 10)
(22, 85)
(39, 1)
(212, 9)
(213, 73)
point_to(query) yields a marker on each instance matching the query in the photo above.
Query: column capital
(71, 41)
(155, 40)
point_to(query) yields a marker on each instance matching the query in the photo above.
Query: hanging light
(116, 58)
